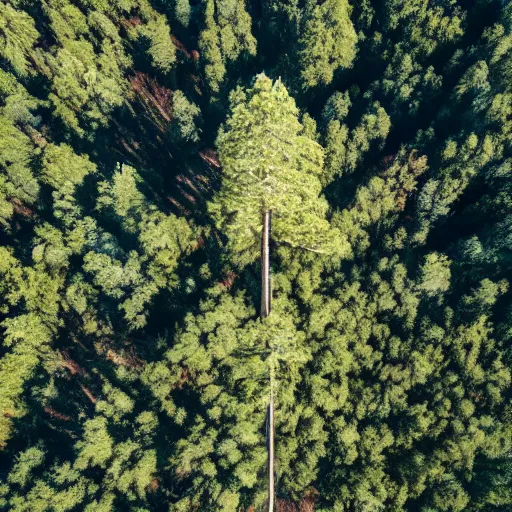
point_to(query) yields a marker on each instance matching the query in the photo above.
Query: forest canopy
(147, 147)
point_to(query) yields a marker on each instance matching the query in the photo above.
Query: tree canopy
(142, 142)
(269, 164)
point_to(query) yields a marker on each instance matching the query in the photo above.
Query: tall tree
(271, 180)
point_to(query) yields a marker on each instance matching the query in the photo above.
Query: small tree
(328, 41)
(270, 188)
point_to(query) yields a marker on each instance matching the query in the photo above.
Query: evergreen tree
(226, 35)
(269, 165)
(18, 36)
(328, 41)
(271, 180)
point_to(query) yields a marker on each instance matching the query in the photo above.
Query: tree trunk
(265, 265)
(271, 448)
(264, 312)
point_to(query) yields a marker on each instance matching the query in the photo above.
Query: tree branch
(299, 246)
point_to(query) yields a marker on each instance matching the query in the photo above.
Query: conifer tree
(226, 35)
(18, 36)
(270, 189)
(269, 165)
(328, 41)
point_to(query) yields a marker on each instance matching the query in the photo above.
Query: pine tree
(182, 12)
(18, 36)
(270, 164)
(328, 42)
(186, 117)
(226, 35)
(270, 188)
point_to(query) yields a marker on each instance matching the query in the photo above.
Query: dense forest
(146, 145)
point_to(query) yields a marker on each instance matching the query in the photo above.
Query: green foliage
(83, 81)
(18, 36)
(435, 274)
(228, 356)
(27, 333)
(426, 27)
(328, 41)
(97, 445)
(134, 371)
(269, 164)
(182, 12)
(161, 48)
(25, 464)
(162, 238)
(186, 116)
(346, 148)
(17, 182)
(225, 36)
(122, 197)
(61, 165)
(382, 196)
